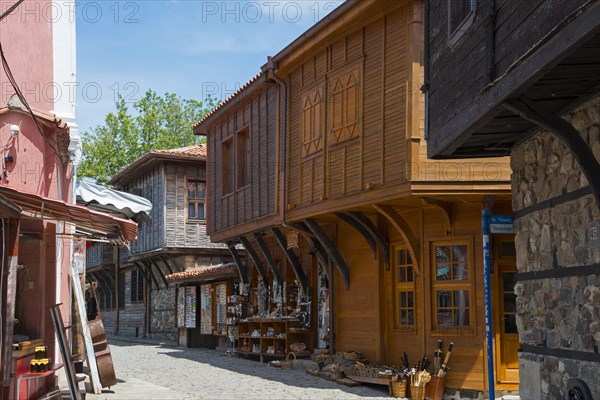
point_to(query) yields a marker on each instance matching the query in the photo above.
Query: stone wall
(162, 315)
(556, 312)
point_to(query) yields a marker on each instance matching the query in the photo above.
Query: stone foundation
(557, 313)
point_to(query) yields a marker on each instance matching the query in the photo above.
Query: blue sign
(501, 224)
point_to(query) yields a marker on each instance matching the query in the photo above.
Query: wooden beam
(447, 209)
(292, 258)
(566, 133)
(238, 262)
(160, 273)
(404, 229)
(150, 273)
(109, 279)
(350, 220)
(262, 245)
(255, 259)
(381, 242)
(330, 248)
(166, 263)
(143, 271)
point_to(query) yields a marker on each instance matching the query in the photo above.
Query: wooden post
(11, 261)
(87, 337)
(117, 262)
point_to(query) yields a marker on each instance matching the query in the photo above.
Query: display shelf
(269, 328)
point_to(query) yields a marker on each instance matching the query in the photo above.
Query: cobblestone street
(147, 371)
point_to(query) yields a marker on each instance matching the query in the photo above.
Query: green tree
(156, 123)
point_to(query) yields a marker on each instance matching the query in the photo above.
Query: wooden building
(522, 79)
(171, 240)
(318, 167)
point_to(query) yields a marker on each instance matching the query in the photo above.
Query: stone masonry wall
(163, 315)
(557, 313)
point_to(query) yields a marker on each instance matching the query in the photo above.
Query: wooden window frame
(314, 144)
(398, 287)
(456, 34)
(134, 293)
(451, 285)
(245, 131)
(344, 72)
(226, 173)
(189, 220)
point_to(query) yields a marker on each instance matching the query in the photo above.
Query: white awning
(111, 201)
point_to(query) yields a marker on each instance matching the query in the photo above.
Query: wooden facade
(356, 190)
(541, 50)
(143, 302)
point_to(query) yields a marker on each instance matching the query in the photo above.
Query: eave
(544, 75)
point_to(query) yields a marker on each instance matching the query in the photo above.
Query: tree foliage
(155, 123)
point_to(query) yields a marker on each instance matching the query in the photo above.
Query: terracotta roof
(229, 99)
(196, 152)
(208, 271)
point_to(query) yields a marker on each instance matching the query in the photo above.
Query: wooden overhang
(117, 230)
(559, 74)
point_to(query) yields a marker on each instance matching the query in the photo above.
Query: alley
(147, 371)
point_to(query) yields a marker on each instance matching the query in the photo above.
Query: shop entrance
(507, 337)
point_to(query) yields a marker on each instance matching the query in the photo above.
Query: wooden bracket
(330, 248)
(447, 209)
(153, 262)
(566, 132)
(238, 261)
(292, 258)
(150, 272)
(255, 259)
(166, 263)
(404, 228)
(381, 242)
(262, 245)
(350, 220)
(143, 272)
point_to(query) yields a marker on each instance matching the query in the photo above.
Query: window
(345, 96)
(451, 285)
(404, 289)
(461, 14)
(243, 157)
(227, 164)
(196, 196)
(137, 286)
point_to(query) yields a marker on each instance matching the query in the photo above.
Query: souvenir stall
(203, 305)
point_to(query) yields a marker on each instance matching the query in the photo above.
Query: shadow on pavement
(247, 366)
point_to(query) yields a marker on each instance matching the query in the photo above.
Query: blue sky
(189, 47)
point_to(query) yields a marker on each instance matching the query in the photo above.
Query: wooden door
(507, 338)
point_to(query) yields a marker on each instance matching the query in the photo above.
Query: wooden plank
(59, 328)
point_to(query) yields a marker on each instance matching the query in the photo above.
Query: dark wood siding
(99, 254)
(258, 198)
(457, 75)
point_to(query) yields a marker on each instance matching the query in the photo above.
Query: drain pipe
(283, 103)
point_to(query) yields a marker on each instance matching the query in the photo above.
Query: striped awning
(33, 205)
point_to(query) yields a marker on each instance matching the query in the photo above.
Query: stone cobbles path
(147, 371)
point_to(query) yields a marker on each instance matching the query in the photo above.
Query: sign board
(501, 224)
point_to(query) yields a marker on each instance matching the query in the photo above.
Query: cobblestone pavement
(147, 371)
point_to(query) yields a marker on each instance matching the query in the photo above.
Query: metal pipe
(488, 300)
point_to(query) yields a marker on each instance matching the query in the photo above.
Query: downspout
(283, 95)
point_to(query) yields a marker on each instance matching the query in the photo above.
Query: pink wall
(26, 37)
